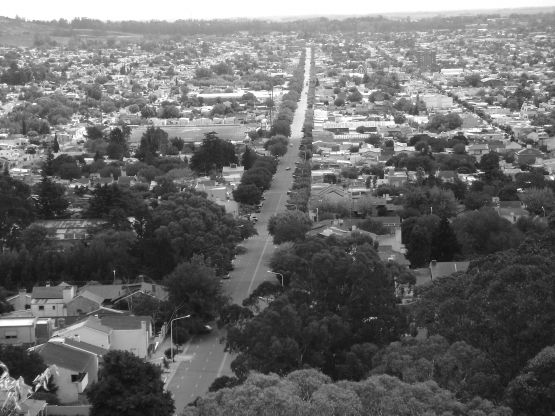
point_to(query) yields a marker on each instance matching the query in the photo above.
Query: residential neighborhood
(193, 212)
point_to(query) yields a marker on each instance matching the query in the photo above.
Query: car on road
(226, 276)
(254, 218)
(288, 168)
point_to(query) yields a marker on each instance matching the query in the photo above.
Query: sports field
(234, 132)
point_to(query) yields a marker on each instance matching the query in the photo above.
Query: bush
(168, 352)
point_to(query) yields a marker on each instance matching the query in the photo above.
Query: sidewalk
(158, 356)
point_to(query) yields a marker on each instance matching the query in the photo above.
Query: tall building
(426, 59)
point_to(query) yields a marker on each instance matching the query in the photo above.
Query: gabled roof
(124, 322)
(91, 322)
(91, 296)
(85, 346)
(47, 292)
(64, 356)
(447, 268)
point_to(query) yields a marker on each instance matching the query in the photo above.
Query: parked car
(288, 168)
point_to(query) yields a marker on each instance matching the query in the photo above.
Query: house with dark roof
(112, 293)
(76, 367)
(51, 301)
(84, 303)
(439, 269)
(529, 156)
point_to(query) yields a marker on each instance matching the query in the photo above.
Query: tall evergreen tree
(248, 158)
(444, 242)
(55, 144)
(51, 203)
(48, 165)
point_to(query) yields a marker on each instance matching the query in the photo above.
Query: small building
(18, 330)
(439, 269)
(76, 365)
(51, 301)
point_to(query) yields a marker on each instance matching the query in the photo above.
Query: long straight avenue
(204, 359)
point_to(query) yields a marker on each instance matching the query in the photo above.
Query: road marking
(221, 368)
(261, 255)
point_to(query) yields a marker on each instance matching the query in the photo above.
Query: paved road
(204, 359)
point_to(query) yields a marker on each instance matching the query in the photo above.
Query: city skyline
(218, 9)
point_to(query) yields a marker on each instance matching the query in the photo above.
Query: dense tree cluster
(309, 392)
(503, 306)
(129, 386)
(256, 179)
(340, 304)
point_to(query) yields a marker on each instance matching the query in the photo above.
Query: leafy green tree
(282, 127)
(309, 392)
(258, 175)
(248, 158)
(16, 207)
(55, 145)
(417, 235)
(117, 147)
(444, 244)
(311, 325)
(33, 237)
(183, 225)
(458, 367)
(440, 122)
(128, 386)
(195, 286)
(248, 194)
(94, 132)
(213, 154)
(539, 201)
(484, 232)
(532, 391)
(51, 202)
(277, 149)
(115, 204)
(289, 226)
(153, 141)
(442, 202)
(21, 362)
(508, 295)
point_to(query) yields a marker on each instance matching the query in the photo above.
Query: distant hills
(22, 32)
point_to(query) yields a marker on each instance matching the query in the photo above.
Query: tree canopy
(309, 392)
(213, 154)
(128, 386)
(340, 302)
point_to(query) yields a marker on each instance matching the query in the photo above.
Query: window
(11, 335)
(53, 308)
(41, 308)
(75, 378)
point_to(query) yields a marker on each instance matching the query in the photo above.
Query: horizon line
(406, 13)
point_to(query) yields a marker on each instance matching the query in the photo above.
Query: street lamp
(278, 274)
(171, 332)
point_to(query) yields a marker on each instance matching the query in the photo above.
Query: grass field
(196, 133)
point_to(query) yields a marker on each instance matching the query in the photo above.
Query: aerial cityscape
(276, 212)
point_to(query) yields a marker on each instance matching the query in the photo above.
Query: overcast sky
(217, 9)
